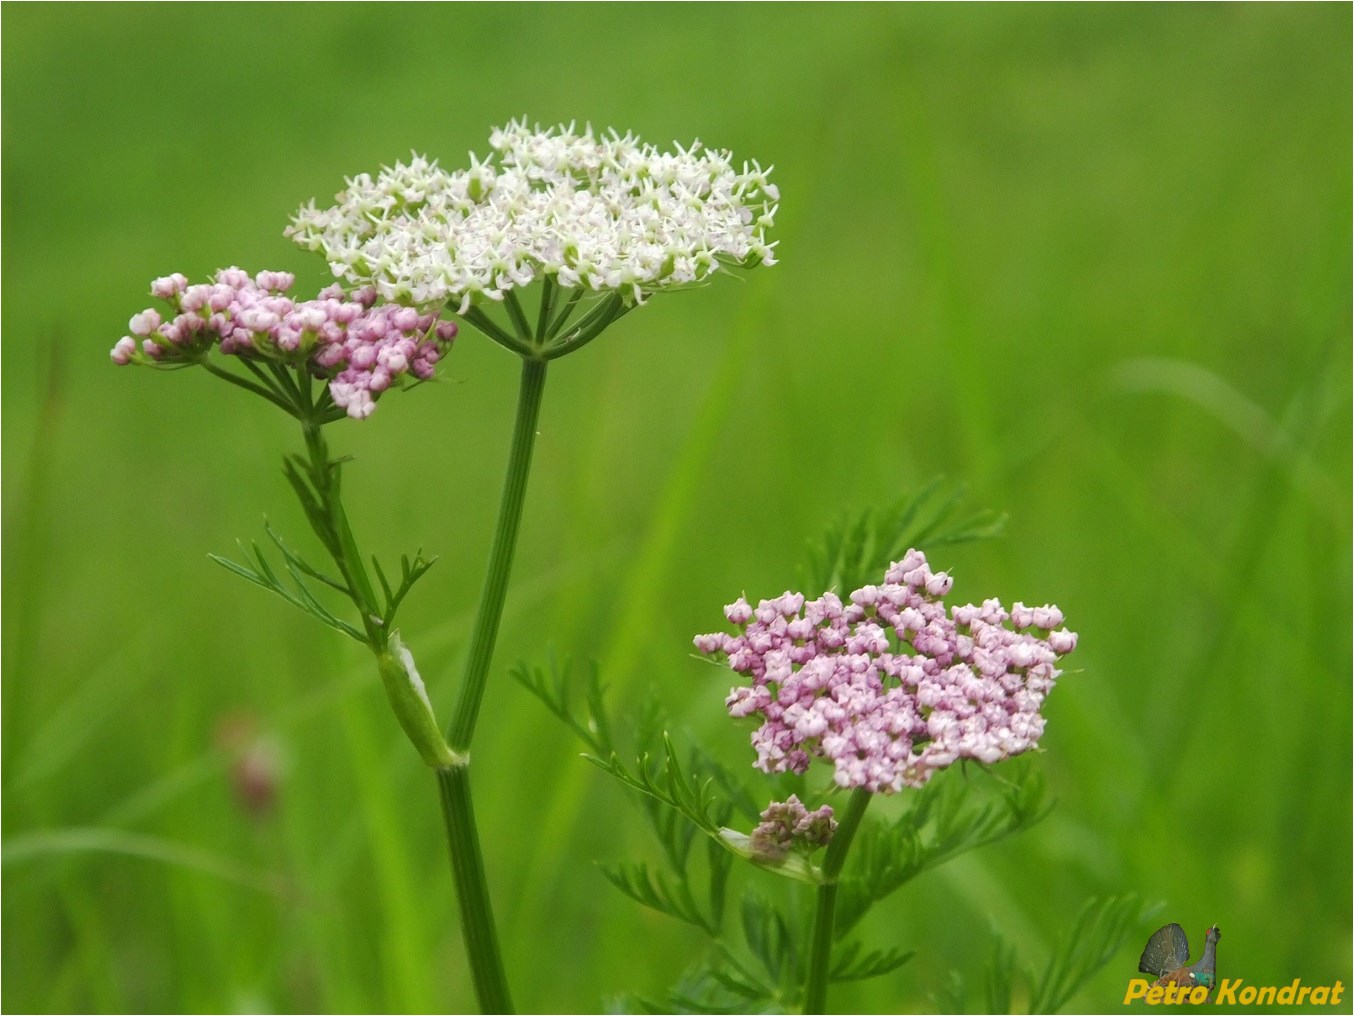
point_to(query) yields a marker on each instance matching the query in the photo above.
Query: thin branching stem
(562, 318)
(268, 393)
(548, 292)
(518, 315)
(342, 546)
(477, 317)
(603, 316)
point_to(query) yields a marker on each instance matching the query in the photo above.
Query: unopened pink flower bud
(392, 358)
(363, 357)
(123, 352)
(144, 323)
(309, 318)
(347, 313)
(404, 318)
(276, 282)
(195, 298)
(965, 615)
(739, 611)
(220, 297)
(1047, 617)
(708, 643)
(169, 286)
(256, 319)
(939, 584)
(1062, 642)
(235, 278)
(865, 596)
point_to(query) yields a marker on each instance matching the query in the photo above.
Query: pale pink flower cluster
(787, 825)
(362, 349)
(890, 687)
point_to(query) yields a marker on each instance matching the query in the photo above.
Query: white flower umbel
(606, 213)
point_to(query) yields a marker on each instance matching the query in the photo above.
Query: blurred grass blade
(38, 846)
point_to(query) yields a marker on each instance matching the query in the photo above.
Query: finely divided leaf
(851, 963)
(658, 892)
(1100, 930)
(856, 551)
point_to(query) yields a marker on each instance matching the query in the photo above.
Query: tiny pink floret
(169, 286)
(123, 352)
(145, 323)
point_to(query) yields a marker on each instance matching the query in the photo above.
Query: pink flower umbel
(890, 687)
(362, 349)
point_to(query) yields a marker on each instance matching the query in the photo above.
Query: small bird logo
(1167, 954)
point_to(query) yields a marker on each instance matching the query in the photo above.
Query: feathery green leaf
(851, 963)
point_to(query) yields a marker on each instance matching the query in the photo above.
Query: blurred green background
(1094, 262)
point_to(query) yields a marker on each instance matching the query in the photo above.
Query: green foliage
(1102, 928)
(683, 790)
(304, 599)
(301, 597)
(658, 774)
(667, 895)
(956, 812)
(410, 572)
(772, 940)
(720, 984)
(316, 481)
(852, 962)
(553, 686)
(855, 550)
(949, 816)
(679, 800)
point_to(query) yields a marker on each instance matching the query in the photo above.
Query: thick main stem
(500, 557)
(467, 862)
(472, 891)
(824, 917)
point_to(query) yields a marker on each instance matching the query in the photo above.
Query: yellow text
(1235, 991)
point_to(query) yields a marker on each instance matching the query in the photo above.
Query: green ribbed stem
(472, 891)
(467, 862)
(500, 557)
(824, 917)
